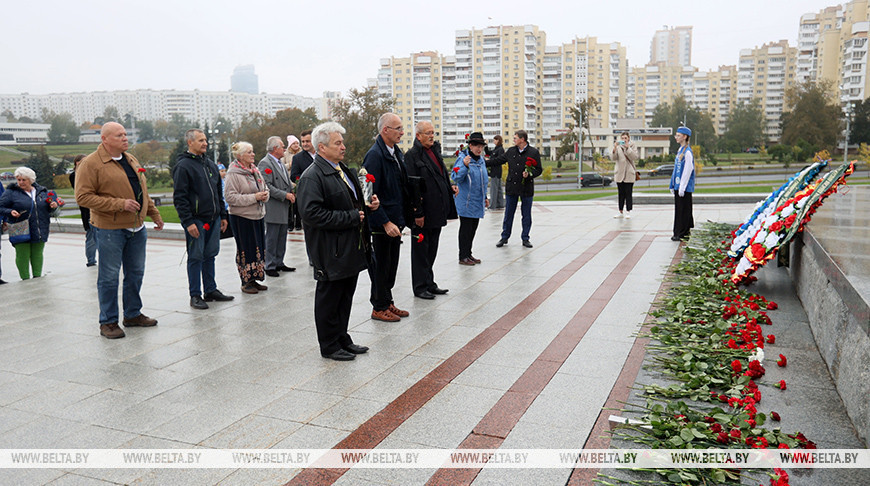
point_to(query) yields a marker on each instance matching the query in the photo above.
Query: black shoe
(2, 281)
(217, 295)
(425, 295)
(356, 349)
(675, 238)
(273, 273)
(90, 264)
(285, 268)
(527, 243)
(340, 355)
(502, 242)
(197, 303)
(438, 291)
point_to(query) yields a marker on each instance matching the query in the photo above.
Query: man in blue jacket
(199, 202)
(385, 162)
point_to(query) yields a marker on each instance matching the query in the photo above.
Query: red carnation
(790, 220)
(715, 428)
(780, 385)
(758, 251)
(735, 433)
(736, 366)
(732, 344)
(772, 305)
(370, 178)
(782, 445)
(722, 438)
(775, 227)
(48, 200)
(466, 136)
(456, 169)
(60, 202)
(775, 416)
(530, 162)
(268, 170)
(206, 226)
(51, 193)
(782, 361)
(771, 339)
(141, 170)
(419, 238)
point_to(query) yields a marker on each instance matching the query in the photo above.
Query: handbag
(636, 175)
(20, 232)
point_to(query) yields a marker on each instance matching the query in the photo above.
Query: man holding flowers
(524, 164)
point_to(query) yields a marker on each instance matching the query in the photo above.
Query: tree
(580, 114)
(180, 148)
(256, 128)
(63, 129)
(860, 129)
(146, 130)
(745, 127)
(40, 163)
(10, 117)
(358, 113)
(673, 114)
(223, 152)
(811, 115)
(173, 128)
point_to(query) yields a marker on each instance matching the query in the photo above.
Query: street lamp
(848, 112)
(215, 134)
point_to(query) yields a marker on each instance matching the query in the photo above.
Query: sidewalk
(522, 353)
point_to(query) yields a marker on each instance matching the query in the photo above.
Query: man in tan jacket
(112, 184)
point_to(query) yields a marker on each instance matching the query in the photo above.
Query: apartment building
(672, 45)
(766, 73)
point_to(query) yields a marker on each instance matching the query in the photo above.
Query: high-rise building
(594, 70)
(650, 85)
(244, 80)
(672, 45)
(766, 73)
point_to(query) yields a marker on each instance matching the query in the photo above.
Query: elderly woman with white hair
(25, 200)
(246, 194)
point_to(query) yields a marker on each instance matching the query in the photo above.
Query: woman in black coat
(27, 200)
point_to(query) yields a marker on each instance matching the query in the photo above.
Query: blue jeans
(91, 245)
(120, 248)
(510, 209)
(200, 257)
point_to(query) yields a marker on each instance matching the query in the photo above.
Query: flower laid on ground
(782, 361)
(774, 416)
(780, 385)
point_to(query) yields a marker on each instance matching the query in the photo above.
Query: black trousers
(383, 270)
(624, 191)
(683, 220)
(467, 229)
(423, 256)
(332, 303)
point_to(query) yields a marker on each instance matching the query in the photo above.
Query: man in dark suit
(384, 161)
(331, 204)
(432, 209)
(524, 164)
(496, 191)
(301, 161)
(277, 206)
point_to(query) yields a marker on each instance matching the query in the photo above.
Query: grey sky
(309, 47)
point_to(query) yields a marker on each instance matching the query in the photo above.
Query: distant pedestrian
(277, 207)
(246, 194)
(28, 201)
(112, 184)
(199, 201)
(624, 154)
(301, 161)
(494, 169)
(524, 164)
(469, 174)
(293, 147)
(90, 234)
(683, 185)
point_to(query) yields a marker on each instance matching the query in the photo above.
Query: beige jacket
(624, 157)
(102, 185)
(240, 192)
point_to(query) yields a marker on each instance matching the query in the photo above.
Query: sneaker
(617, 215)
(140, 321)
(399, 312)
(197, 303)
(218, 296)
(628, 215)
(111, 331)
(384, 315)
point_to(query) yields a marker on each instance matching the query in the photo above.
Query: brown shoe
(259, 286)
(399, 312)
(467, 261)
(475, 260)
(140, 321)
(249, 288)
(111, 330)
(384, 315)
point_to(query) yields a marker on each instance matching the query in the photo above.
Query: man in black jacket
(496, 190)
(524, 164)
(338, 240)
(199, 202)
(301, 161)
(431, 211)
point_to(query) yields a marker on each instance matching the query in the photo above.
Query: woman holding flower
(246, 194)
(469, 174)
(25, 200)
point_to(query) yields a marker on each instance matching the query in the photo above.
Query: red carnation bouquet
(365, 181)
(530, 162)
(54, 198)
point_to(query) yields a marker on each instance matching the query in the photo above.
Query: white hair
(241, 147)
(26, 172)
(382, 121)
(320, 134)
(421, 125)
(190, 135)
(272, 143)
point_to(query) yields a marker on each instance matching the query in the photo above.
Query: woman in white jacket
(624, 154)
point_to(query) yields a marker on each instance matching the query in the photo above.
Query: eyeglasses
(398, 129)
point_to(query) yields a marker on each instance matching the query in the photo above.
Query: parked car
(752, 150)
(594, 179)
(665, 170)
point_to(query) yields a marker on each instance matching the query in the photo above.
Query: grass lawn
(166, 212)
(60, 151)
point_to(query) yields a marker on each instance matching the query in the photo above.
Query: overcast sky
(307, 47)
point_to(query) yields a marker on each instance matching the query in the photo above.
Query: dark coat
(198, 194)
(390, 185)
(494, 168)
(39, 216)
(436, 203)
(301, 161)
(338, 244)
(516, 161)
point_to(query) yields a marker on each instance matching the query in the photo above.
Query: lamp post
(848, 112)
(215, 134)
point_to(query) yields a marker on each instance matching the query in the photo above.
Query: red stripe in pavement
(382, 424)
(598, 437)
(495, 426)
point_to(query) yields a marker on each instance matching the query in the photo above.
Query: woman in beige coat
(624, 154)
